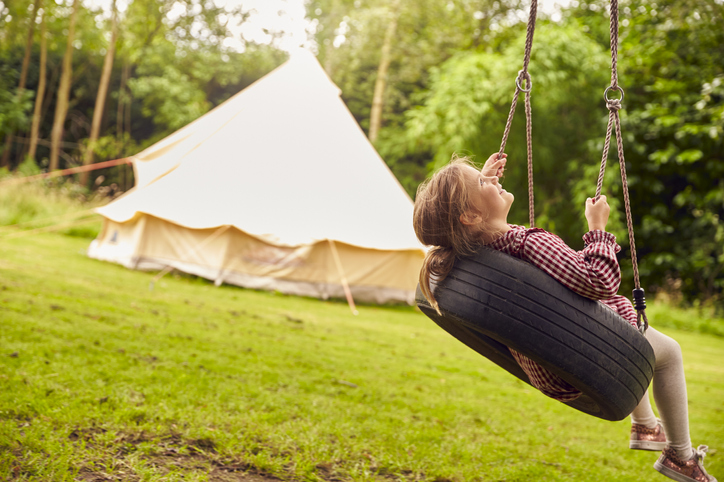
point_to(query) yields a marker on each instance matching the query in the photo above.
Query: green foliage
(27, 168)
(15, 110)
(176, 56)
(172, 99)
(677, 161)
(672, 126)
(428, 32)
(467, 106)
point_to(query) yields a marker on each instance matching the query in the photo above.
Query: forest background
(425, 79)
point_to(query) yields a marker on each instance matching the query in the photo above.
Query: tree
(381, 81)
(426, 33)
(186, 39)
(101, 95)
(23, 78)
(61, 108)
(673, 125)
(467, 104)
(672, 60)
(40, 93)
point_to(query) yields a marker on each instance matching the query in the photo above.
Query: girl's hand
(494, 166)
(597, 213)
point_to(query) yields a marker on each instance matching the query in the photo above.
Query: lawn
(102, 379)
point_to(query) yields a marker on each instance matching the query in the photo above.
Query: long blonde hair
(439, 203)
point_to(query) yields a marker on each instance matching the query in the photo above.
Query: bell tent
(277, 188)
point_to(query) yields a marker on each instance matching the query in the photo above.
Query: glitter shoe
(644, 438)
(692, 470)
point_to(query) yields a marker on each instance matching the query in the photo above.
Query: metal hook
(609, 88)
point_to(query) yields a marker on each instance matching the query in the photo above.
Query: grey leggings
(669, 386)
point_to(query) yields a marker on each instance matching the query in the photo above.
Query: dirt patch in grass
(217, 472)
(165, 454)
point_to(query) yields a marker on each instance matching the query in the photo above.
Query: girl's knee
(667, 350)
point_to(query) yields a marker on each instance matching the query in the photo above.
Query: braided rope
(614, 43)
(508, 123)
(529, 141)
(604, 157)
(614, 120)
(524, 76)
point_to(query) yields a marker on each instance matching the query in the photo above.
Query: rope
(614, 120)
(524, 76)
(529, 141)
(66, 172)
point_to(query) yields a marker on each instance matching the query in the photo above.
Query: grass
(102, 379)
(51, 203)
(700, 320)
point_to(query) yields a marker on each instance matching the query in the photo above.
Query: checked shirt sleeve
(593, 272)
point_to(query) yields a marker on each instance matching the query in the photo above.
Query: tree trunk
(381, 82)
(61, 108)
(119, 108)
(23, 78)
(127, 99)
(101, 97)
(35, 128)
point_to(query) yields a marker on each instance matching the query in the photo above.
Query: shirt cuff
(598, 236)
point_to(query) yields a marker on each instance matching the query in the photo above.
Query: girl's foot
(692, 470)
(644, 438)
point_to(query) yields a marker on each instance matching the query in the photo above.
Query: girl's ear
(470, 218)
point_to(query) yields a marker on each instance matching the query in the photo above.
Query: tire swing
(491, 301)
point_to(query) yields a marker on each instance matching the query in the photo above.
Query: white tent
(261, 190)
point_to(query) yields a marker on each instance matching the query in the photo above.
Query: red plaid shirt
(593, 273)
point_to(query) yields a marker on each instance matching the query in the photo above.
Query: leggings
(669, 387)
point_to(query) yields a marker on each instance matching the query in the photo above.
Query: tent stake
(347, 291)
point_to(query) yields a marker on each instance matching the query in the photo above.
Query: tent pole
(203, 243)
(345, 285)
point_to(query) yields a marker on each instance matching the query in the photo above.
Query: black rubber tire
(492, 301)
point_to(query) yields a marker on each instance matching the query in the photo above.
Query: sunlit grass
(99, 375)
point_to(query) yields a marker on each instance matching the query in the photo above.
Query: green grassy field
(103, 379)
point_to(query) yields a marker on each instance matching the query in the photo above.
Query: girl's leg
(669, 387)
(643, 414)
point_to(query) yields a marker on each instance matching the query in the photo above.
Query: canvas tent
(259, 191)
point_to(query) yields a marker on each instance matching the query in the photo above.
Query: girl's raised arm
(593, 272)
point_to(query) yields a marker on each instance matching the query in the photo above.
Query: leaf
(689, 156)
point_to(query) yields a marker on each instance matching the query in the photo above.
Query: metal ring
(605, 94)
(527, 78)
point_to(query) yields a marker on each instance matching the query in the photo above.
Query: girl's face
(490, 201)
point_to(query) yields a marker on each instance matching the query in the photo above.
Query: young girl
(461, 208)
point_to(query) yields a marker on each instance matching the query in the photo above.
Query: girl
(461, 208)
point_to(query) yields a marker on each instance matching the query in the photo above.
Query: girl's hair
(439, 203)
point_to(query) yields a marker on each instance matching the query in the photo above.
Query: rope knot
(523, 75)
(614, 105)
